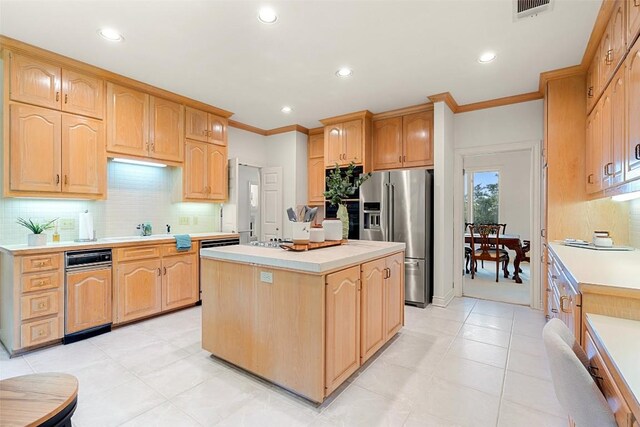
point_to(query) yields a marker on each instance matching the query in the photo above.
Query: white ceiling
(401, 51)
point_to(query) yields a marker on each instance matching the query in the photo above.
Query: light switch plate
(67, 223)
(266, 277)
(183, 220)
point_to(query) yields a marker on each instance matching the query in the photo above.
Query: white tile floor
(484, 285)
(475, 363)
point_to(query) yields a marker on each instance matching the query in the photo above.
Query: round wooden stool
(38, 400)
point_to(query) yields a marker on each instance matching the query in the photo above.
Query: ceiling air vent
(529, 8)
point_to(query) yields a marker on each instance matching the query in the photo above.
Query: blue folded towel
(183, 242)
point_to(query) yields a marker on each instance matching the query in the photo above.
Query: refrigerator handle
(385, 209)
(392, 202)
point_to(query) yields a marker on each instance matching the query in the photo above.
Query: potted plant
(342, 185)
(36, 238)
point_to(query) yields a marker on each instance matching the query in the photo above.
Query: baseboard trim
(443, 301)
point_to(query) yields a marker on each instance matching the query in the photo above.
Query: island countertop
(315, 261)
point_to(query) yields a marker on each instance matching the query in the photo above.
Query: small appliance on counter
(602, 239)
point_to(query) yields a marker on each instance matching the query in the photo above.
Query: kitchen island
(305, 321)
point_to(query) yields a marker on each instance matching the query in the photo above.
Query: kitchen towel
(183, 242)
(85, 226)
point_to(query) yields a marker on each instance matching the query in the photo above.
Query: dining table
(511, 241)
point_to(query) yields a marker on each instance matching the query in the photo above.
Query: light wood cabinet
(613, 44)
(40, 332)
(166, 127)
(205, 173)
(373, 298)
(387, 143)
(394, 295)
(342, 300)
(34, 82)
(344, 142)
(403, 142)
(139, 289)
(632, 151)
(565, 304)
(127, 121)
(82, 94)
(315, 169)
(84, 160)
(614, 167)
(179, 281)
(633, 20)
(89, 296)
(594, 150)
(205, 127)
(593, 82)
(35, 149)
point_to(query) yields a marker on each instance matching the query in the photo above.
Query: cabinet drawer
(168, 250)
(40, 281)
(143, 252)
(38, 305)
(605, 382)
(41, 262)
(39, 332)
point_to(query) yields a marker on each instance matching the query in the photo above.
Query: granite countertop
(602, 268)
(314, 261)
(108, 242)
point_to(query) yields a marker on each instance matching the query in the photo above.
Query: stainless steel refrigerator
(397, 206)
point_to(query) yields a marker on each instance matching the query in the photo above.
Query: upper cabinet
(403, 142)
(144, 126)
(347, 139)
(593, 82)
(613, 44)
(633, 20)
(205, 127)
(632, 151)
(47, 85)
(315, 169)
(205, 174)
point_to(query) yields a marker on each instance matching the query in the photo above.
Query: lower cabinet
(394, 295)
(88, 299)
(343, 326)
(152, 279)
(562, 299)
(139, 289)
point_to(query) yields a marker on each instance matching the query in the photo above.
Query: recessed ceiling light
(487, 57)
(266, 15)
(344, 72)
(286, 109)
(110, 34)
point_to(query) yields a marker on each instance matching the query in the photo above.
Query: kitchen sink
(136, 238)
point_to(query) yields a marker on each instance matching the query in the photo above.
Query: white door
(271, 179)
(230, 207)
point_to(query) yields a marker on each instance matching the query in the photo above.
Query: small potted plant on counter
(342, 185)
(37, 238)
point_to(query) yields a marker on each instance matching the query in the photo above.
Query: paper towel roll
(85, 226)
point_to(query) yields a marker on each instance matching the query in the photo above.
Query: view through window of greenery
(484, 198)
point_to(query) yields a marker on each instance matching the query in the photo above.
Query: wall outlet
(266, 277)
(183, 220)
(195, 220)
(66, 224)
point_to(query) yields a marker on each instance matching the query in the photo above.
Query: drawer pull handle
(57, 96)
(554, 310)
(638, 152)
(562, 300)
(590, 178)
(554, 277)
(66, 99)
(41, 305)
(590, 92)
(609, 58)
(164, 271)
(41, 332)
(159, 272)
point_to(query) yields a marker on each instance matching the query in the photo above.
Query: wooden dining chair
(467, 249)
(488, 251)
(503, 228)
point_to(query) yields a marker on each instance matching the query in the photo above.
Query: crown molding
(498, 102)
(447, 98)
(403, 111)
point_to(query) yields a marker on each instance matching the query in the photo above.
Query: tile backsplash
(634, 223)
(136, 194)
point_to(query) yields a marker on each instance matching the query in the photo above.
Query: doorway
(498, 185)
(249, 205)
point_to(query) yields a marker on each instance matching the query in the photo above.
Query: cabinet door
(217, 172)
(618, 130)
(418, 141)
(607, 139)
(82, 94)
(34, 82)
(333, 148)
(217, 133)
(592, 82)
(352, 141)
(387, 143)
(618, 33)
(632, 156)
(594, 149)
(196, 124)
(633, 20)
(342, 349)
(394, 295)
(83, 157)
(88, 300)
(373, 328)
(316, 180)
(139, 287)
(179, 281)
(195, 170)
(316, 145)
(34, 149)
(127, 121)
(166, 126)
